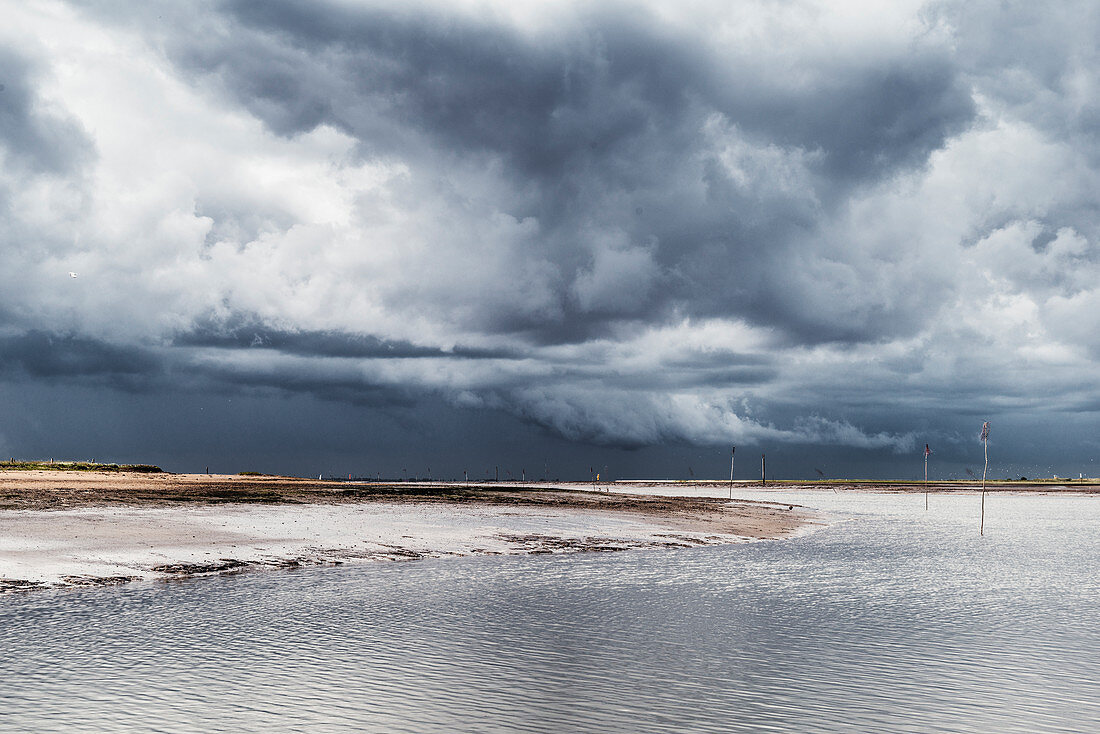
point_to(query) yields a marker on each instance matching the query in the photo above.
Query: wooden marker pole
(985, 446)
(731, 471)
(927, 451)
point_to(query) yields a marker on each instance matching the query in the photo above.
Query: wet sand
(62, 528)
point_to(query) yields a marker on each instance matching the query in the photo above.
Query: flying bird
(72, 274)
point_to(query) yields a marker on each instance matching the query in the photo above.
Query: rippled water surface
(892, 620)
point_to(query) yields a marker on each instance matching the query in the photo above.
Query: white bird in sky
(72, 274)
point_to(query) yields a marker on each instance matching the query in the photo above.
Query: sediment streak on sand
(59, 528)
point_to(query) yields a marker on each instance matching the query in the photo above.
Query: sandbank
(78, 528)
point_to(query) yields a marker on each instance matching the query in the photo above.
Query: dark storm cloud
(602, 122)
(469, 85)
(38, 354)
(250, 333)
(611, 85)
(306, 380)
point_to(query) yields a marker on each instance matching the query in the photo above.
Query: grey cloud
(869, 120)
(39, 354)
(239, 221)
(1031, 57)
(1038, 63)
(717, 359)
(471, 85)
(638, 235)
(599, 130)
(621, 419)
(337, 386)
(249, 332)
(38, 139)
(603, 90)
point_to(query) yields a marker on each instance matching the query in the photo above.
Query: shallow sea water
(893, 619)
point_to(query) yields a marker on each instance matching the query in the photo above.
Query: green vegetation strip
(76, 466)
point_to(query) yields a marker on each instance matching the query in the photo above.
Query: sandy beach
(62, 528)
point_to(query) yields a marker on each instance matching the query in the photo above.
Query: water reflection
(897, 620)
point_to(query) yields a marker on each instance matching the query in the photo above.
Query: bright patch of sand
(115, 543)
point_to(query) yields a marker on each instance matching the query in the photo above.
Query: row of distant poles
(983, 437)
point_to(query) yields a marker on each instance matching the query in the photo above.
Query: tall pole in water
(763, 479)
(985, 445)
(731, 470)
(927, 451)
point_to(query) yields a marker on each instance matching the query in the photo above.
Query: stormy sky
(376, 237)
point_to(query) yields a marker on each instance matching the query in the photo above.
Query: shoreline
(60, 529)
(948, 486)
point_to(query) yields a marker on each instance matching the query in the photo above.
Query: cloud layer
(626, 225)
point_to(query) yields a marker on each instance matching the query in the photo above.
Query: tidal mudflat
(82, 528)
